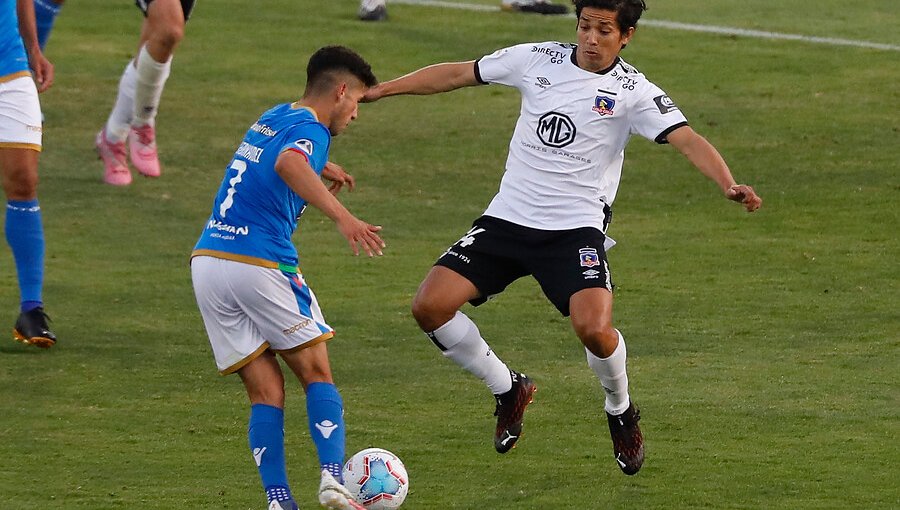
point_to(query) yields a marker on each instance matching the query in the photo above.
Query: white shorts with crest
(248, 309)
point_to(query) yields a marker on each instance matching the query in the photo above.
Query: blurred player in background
(20, 145)
(376, 10)
(45, 12)
(140, 88)
(580, 105)
(254, 301)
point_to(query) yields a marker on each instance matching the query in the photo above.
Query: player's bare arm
(338, 177)
(433, 79)
(40, 66)
(707, 159)
(302, 179)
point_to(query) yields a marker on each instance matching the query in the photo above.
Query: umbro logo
(257, 455)
(326, 427)
(542, 82)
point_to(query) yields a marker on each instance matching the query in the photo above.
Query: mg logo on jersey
(589, 257)
(556, 129)
(604, 105)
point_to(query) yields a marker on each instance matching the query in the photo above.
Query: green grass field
(763, 349)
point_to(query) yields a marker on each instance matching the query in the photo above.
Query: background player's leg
(45, 12)
(110, 141)
(264, 382)
(162, 31)
(591, 315)
(25, 236)
(372, 10)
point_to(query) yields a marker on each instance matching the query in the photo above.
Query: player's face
(599, 39)
(348, 106)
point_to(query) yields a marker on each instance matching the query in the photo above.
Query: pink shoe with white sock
(116, 170)
(142, 146)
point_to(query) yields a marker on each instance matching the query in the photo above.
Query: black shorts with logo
(495, 252)
(186, 7)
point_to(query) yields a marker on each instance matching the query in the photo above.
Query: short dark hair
(327, 61)
(628, 12)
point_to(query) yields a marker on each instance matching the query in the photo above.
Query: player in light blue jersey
(21, 64)
(254, 301)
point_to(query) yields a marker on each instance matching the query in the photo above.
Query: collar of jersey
(602, 71)
(297, 106)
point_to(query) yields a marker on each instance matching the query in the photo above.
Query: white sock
(460, 341)
(120, 119)
(613, 378)
(151, 79)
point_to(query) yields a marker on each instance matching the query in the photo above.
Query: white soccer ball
(377, 479)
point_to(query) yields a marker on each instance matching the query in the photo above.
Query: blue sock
(25, 236)
(266, 434)
(326, 425)
(45, 12)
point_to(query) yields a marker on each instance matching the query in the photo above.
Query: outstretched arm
(707, 159)
(302, 179)
(428, 80)
(42, 68)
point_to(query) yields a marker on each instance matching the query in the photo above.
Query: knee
(21, 185)
(271, 393)
(429, 313)
(601, 338)
(169, 37)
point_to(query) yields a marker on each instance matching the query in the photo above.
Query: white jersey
(565, 156)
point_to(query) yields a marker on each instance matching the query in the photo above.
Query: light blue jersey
(255, 213)
(13, 59)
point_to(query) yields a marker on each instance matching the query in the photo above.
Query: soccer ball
(377, 479)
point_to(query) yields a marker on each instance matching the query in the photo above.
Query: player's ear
(342, 90)
(627, 35)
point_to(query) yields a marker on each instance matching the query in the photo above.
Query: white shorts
(20, 114)
(248, 309)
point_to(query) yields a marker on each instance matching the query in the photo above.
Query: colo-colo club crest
(604, 105)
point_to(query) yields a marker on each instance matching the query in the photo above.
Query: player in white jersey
(253, 299)
(133, 116)
(580, 105)
(21, 65)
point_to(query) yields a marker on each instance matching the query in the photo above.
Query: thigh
(280, 305)
(570, 261)
(487, 256)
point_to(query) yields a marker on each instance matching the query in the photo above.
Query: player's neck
(321, 110)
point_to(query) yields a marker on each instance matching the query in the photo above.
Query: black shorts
(495, 252)
(186, 7)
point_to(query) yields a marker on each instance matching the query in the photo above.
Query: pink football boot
(142, 145)
(113, 155)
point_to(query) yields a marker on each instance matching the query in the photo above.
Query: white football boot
(334, 496)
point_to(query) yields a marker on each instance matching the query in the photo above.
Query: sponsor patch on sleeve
(303, 145)
(665, 104)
